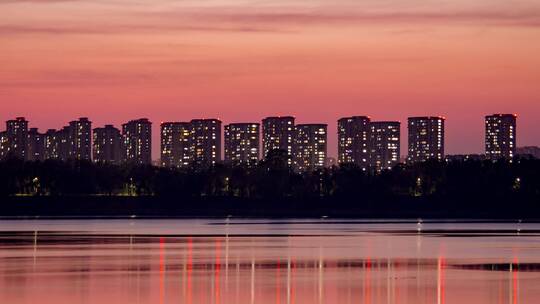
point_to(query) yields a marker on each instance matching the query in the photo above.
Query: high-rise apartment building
(36, 145)
(107, 145)
(500, 136)
(206, 141)
(137, 138)
(72, 142)
(242, 143)
(4, 145)
(17, 137)
(52, 144)
(80, 139)
(278, 134)
(310, 149)
(353, 141)
(426, 138)
(176, 144)
(384, 144)
(63, 137)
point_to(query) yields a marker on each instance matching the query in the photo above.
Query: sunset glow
(240, 61)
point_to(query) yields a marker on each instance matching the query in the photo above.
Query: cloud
(81, 77)
(37, 1)
(32, 29)
(211, 17)
(130, 28)
(257, 18)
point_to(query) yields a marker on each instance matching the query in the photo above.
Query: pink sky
(170, 60)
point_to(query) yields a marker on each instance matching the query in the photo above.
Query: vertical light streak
(440, 281)
(189, 271)
(278, 282)
(161, 270)
(217, 270)
(252, 280)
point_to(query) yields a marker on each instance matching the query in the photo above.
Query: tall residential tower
(80, 139)
(176, 144)
(500, 136)
(278, 134)
(36, 145)
(426, 138)
(17, 138)
(310, 149)
(137, 137)
(107, 145)
(206, 141)
(242, 143)
(353, 141)
(384, 144)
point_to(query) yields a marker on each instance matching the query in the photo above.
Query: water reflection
(379, 268)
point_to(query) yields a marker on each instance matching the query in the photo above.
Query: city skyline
(275, 151)
(363, 142)
(452, 146)
(175, 60)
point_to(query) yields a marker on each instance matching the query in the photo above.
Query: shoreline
(152, 207)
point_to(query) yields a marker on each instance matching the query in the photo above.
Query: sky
(239, 61)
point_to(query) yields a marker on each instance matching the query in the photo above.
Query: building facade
(500, 136)
(206, 141)
(426, 138)
(310, 149)
(56, 144)
(107, 145)
(176, 148)
(4, 145)
(353, 141)
(51, 144)
(36, 145)
(17, 138)
(137, 141)
(384, 144)
(278, 134)
(242, 143)
(64, 144)
(80, 139)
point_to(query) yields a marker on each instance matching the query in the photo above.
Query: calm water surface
(266, 261)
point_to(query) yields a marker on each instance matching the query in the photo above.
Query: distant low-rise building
(464, 157)
(529, 151)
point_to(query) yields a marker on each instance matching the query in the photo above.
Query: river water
(234, 261)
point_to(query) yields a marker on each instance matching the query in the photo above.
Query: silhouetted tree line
(273, 179)
(457, 188)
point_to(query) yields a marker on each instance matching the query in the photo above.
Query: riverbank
(152, 206)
